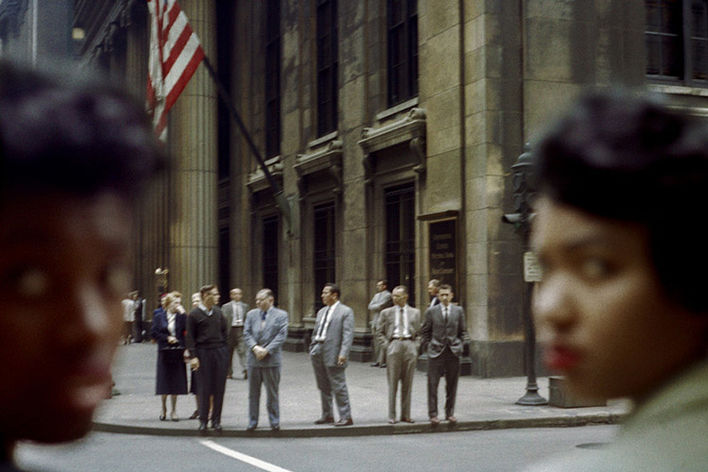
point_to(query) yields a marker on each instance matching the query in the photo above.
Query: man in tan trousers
(399, 327)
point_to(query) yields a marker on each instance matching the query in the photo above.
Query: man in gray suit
(399, 327)
(381, 300)
(331, 341)
(265, 331)
(235, 313)
(443, 333)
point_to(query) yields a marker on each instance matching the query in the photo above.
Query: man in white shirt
(128, 317)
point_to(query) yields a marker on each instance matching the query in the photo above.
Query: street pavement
(481, 403)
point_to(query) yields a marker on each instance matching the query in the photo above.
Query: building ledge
(257, 180)
(328, 158)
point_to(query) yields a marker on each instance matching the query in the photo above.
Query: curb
(374, 430)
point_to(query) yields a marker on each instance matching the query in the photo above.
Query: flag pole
(278, 194)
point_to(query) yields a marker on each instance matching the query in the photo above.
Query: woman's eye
(595, 268)
(28, 281)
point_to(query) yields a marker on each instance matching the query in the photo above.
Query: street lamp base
(532, 398)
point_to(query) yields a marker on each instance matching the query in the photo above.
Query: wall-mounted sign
(443, 251)
(532, 269)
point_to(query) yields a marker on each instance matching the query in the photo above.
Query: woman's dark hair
(625, 156)
(62, 132)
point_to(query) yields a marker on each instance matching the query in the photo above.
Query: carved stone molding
(410, 128)
(328, 158)
(257, 180)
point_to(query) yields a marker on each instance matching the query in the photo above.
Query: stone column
(193, 145)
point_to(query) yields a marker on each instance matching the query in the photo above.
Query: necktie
(445, 315)
(263, 315)
(403, 323)
(323, 323)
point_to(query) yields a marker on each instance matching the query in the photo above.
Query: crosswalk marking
(242, 457)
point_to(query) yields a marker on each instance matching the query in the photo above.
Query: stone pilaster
(193, 144)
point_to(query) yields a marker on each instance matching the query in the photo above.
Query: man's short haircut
(384, 282)
(71, 134)
(628, 157)
(401, 287)
(333, 288)
(268, 292)
(206, 289)
(435, 283)
(446, 287)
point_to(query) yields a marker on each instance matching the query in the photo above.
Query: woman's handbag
(172, 354)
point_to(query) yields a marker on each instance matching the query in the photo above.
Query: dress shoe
(383, 366)
(324, 420)
(251, 427)
(275, 428)
(217, 428)
(434, 420)
(407, 420)
(451, 419)
(344, 422)
(391, 421)
(195, 415)
(202, 429)
(375, 364)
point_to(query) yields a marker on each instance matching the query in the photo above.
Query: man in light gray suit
(331, 341)
(265, 331)
(235, 313)
(443, 332)
(381, 300)
(399, 327)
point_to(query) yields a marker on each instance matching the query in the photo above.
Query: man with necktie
(399, 327)
(235, 313)
(265, 332)
(443, 333)
(332, 339)
(206, 340)
(381, 300)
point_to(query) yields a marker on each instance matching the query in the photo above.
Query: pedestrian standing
(265, 332)
(332, 340)
(444, 333)
(381, 300)
(128, 317)
(235, 313)
(206, 340)
(399, 328)
(168, 330)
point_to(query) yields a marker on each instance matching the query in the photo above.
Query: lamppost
(521, 219)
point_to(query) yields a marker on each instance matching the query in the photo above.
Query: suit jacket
(271, 337)
(437, 334)
(339, 337)
(387, 323)
(228, 310)
(159, 330)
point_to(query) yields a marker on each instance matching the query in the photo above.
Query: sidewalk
(481, 403)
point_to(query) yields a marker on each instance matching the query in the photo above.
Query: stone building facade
(391, 126)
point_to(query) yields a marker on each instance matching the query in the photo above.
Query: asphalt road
(498, 450)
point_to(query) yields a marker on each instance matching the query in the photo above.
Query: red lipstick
(561, 358)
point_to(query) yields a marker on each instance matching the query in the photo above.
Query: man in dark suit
(264, 333)
(444, 333)
(332, 339)
(399, 326)
(139, 307)
(235, 313)
(206, 340)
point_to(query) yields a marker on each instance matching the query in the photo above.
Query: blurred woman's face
(602, 314)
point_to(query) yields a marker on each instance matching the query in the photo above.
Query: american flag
(175, 54)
